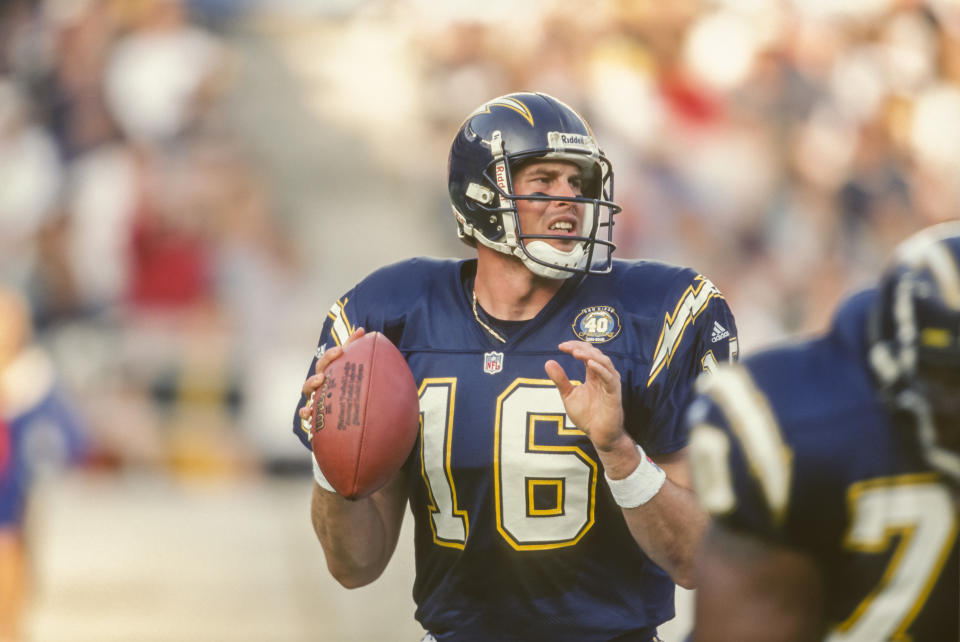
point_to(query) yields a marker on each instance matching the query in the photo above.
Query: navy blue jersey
(517, 536)
(796, 446)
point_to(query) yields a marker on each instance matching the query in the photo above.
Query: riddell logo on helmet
(573, 139)
(501, 175)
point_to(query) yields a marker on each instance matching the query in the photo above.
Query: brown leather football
(366, 416)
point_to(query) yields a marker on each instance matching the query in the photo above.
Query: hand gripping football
(366, 416)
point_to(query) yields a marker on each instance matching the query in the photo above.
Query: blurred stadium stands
(184, 188)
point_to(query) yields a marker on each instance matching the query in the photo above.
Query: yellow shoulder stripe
(692, 302)
(342, 328)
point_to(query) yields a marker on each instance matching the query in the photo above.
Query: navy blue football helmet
(491, 143)
(915, 336)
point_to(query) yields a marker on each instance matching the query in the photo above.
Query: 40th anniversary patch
(597, 324)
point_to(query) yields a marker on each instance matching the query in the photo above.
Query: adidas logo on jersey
(719, 332)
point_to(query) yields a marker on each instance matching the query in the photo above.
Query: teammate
(831, 469)
(538, 514)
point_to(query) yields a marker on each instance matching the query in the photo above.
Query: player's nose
(563, 191)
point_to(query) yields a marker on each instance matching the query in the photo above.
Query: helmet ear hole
(480, 193)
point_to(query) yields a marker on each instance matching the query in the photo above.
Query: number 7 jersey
(795, 447)
(516, 534)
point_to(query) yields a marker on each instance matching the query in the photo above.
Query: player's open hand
(314, 381)
(595, 406)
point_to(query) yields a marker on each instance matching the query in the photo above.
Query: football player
(832, 466)
(549, 484)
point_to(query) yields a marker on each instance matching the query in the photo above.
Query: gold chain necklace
(496, 335)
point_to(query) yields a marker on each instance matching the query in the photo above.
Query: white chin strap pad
(574, 259)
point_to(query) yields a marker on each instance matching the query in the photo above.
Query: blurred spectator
(70, 87)
(30, 184)
(104, 187)
(162, 75)
(41, 432)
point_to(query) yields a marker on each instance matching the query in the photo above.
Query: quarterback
(549, 483)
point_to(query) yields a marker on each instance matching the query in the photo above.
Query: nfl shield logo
(492, 362)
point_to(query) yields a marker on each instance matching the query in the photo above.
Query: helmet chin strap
(543, 251)
(575, 258)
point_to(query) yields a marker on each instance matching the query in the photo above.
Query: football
(366, 416)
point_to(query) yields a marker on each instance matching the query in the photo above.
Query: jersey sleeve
(375, 304)
(698, 333)
(342, 319)
(742, 466)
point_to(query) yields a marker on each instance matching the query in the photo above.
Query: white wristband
(639, 487)
(318, 476)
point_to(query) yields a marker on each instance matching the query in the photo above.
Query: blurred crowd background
(187, 185)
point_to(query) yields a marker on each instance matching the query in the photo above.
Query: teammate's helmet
(915, 334)
(489, 146)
